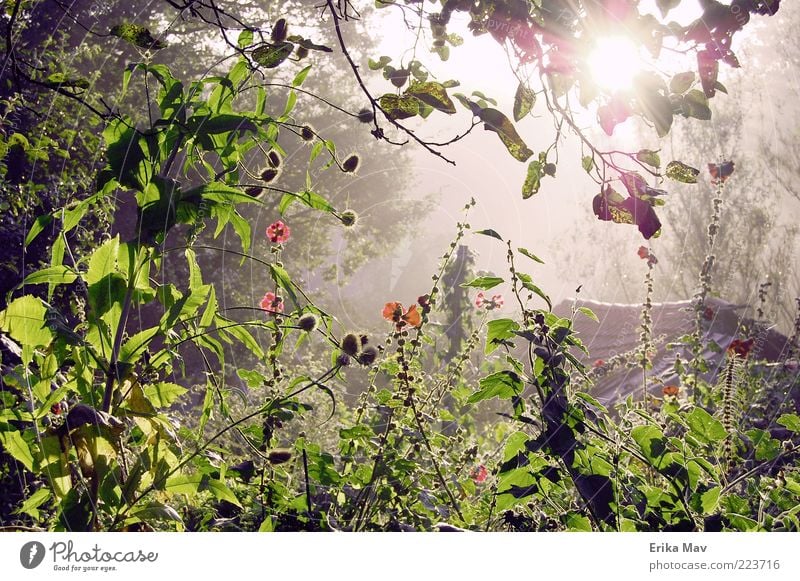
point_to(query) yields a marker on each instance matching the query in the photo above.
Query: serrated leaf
(433, 94)
(709, 500)
(163, 394)
(704, 426)
(15, 445)
(499, 332)
(399, 107)
(484, 282)
(503, 385)
(524, 100)
(680, 172)
(529, 254)
(494, 120)
(490, 232)
(791, 422)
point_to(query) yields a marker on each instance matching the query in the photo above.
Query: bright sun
(614, 62)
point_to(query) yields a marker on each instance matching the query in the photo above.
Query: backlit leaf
(433, 94)
(680, 172)
(524, 100)
(494, 120)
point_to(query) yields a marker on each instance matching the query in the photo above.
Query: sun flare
(614, 62)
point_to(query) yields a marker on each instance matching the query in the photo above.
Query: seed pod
(350, 164)
(280, 456)
(301, 52)
(348, 218)
(273, 158)
(368, 356)
(280, 30)
(306, 133)
(350, 344)
(343, 360)
(254, 191)
(307, 323)
(366, 116)
(269, 174)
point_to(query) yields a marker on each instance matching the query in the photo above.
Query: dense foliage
(121, 407)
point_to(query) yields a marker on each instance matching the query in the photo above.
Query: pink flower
(479, 474)
(272, 302)
(491, 304)
(278, 232)
(598, 363)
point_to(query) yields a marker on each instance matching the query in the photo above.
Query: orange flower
(741, 348)
(670, 390)
(394, 312)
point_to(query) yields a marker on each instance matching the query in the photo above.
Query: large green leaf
(532, 179)
(499, 332)
(163, 394)
(14, 444)
(494, 120)
(503, 384)
(25, 321)
(704, 426)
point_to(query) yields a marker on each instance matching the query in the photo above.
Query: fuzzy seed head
(366, 115)
(280, 30)
(351, 344)
(270, 174)
(307, 323)
(349, 218)
(306, 133)
(368, 356)
(274, 159)
(351, 164)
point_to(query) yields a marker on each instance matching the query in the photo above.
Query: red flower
(708, 314)
(670, 390)
(394, 312)
(598, 363)
(643, 252)
(741, 348)
(278, 232)
(479, 474)
(272, 303)
(720, 172)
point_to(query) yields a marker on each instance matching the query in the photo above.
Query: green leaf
(695, 104)
(503, 384)
(307, 198)
(484, 282)
(399, 107)
(767, 448)
(52, 275)
(649, 157)
(658, 109)
(527, 282)
(709, 500)
(39, 224)
(791, 422)
(578, 522)
(138, 36)
(103, 261)
(653, 444)
(529, 254)
(589, 313)
(491, 233)
(680, 172)
(15, 444)
(378, 64)
(25, 321)
(524, 100)
(163, 394)
(282, 279)
(499, 332)
(704, 426)
(588, 163)
(532, 179)
(245, 38)
(272, 55)
(34, 501)
(133, 348)
(433, 94)
(494, 120)
(682, 82)
(310, 45)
